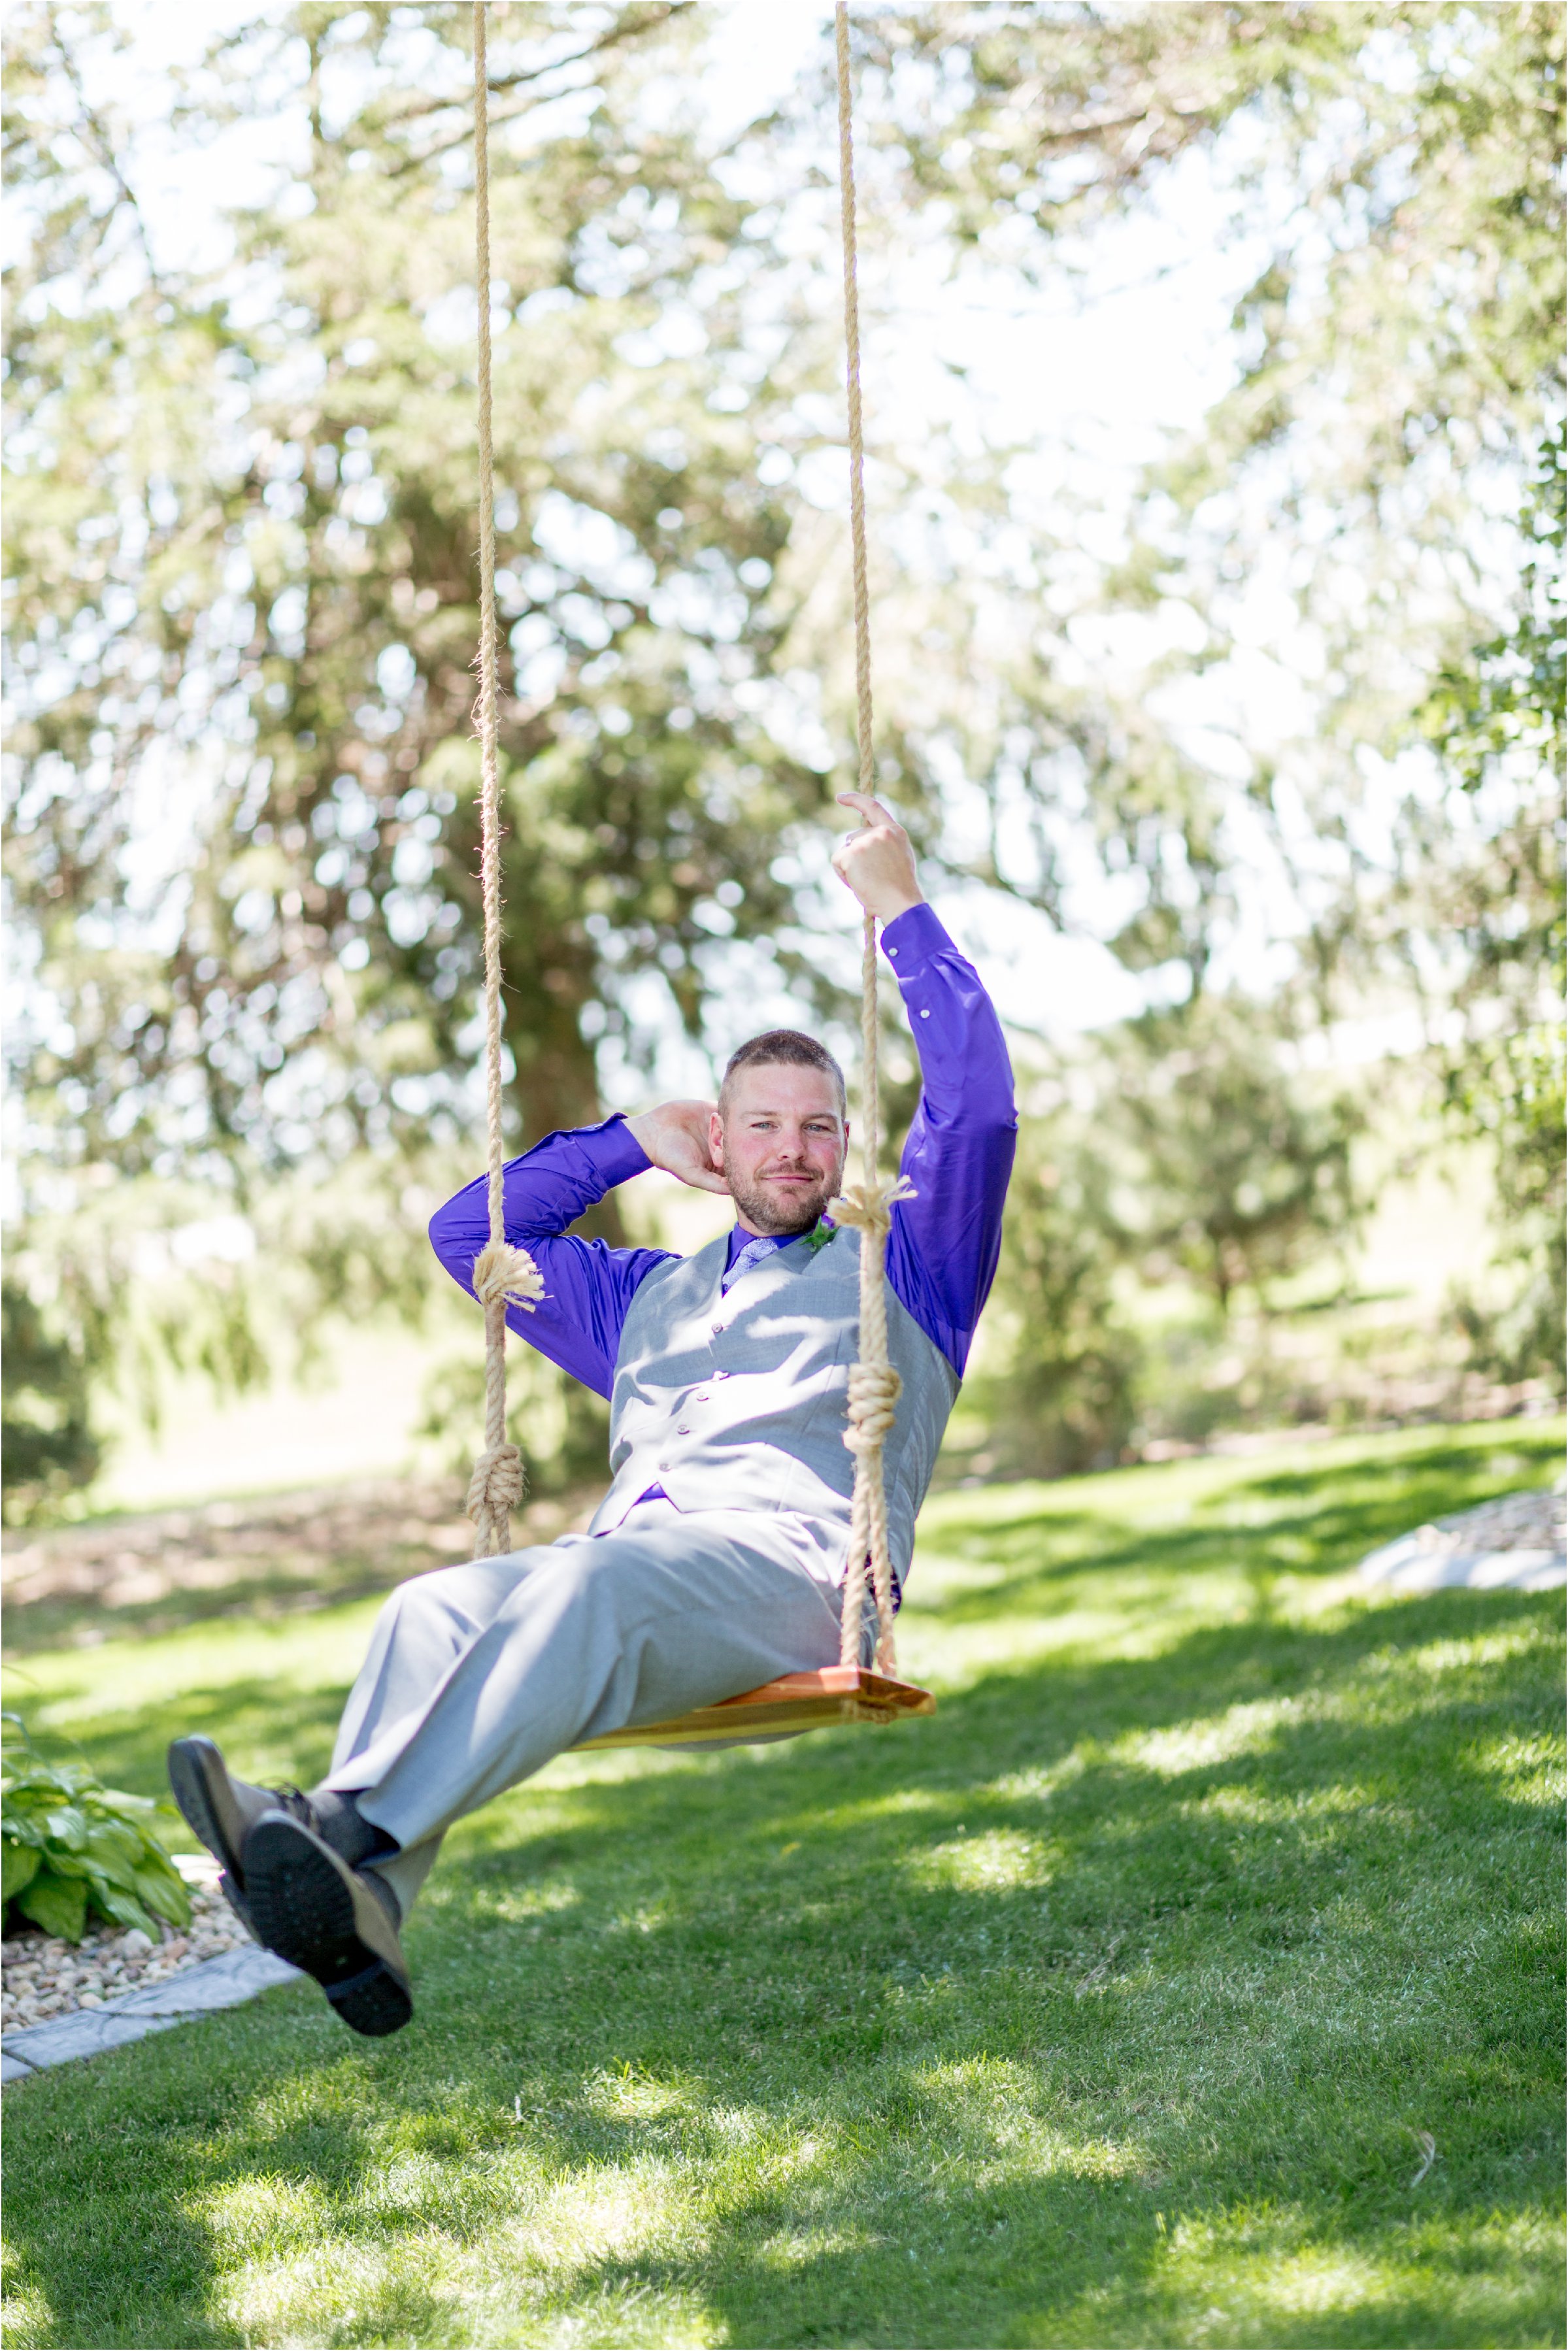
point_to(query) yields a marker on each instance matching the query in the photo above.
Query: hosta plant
(74, 1849)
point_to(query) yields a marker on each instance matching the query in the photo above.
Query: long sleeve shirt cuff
(911, 939)
(612, 1150)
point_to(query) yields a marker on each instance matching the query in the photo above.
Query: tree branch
(614, 39)
(100, 142)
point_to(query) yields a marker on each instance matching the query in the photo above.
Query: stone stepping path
(236, 1971)
(224, 1983)
(1514, 1543)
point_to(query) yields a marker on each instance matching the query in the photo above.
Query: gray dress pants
(477, 1675)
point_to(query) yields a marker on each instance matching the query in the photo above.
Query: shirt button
(662, 1465)
(682, 1432)
(716, 1329)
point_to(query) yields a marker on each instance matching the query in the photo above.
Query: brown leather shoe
(221, 1810)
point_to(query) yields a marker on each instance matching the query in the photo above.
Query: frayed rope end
(502, 1272)
(868, 1207)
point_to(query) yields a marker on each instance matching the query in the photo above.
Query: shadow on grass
(248, 1718)
(265, 1598)
(1294, 1521)
(976, 2032)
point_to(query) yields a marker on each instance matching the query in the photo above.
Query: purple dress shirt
(941, 1253)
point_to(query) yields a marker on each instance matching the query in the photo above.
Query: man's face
(781, 1143)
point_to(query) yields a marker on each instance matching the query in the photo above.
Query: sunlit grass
(1106, 2008)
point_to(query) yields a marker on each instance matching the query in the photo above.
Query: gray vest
(736, 1402)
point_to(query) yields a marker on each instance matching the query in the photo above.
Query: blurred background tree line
(241, 846)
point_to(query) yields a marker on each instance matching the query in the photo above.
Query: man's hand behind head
(676, 1137)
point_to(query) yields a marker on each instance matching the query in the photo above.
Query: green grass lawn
(1106, 2008)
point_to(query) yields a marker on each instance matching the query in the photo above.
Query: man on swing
(714, 1563)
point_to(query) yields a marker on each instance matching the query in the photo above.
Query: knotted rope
(503, 1275)
(868, 1205)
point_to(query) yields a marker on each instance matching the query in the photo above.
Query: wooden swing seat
(779, 1710)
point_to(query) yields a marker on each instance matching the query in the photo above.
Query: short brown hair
(789, 1046)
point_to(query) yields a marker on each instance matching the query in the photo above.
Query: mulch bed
(273, 1555)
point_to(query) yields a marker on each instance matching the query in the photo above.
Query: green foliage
(1398, 349)
(163, 1290)
(1171, 1164)
(265, 579)
(74, 1849)
(1234, 1171)
(562, 1428)
(1054, 1391)
(1510, 696)
(1497, 724)
(47, 1445)
(1395, 171)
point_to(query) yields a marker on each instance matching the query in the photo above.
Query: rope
(503, 1275)
(866, 1205)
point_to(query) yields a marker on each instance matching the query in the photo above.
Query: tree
(242, 525)
(242, 543)
(1334, 519)
(252, 521)
(1497, 724)
(1336, 532)
(47, 1440)
(242, 839)
(1054, 1387)
(1232, 1169)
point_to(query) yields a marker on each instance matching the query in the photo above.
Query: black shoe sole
(190, 1761)
(237, 1904)
(301, 1909)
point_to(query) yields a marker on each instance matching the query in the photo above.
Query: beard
(795, 1212)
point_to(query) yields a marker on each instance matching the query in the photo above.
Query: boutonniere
(820, 1234)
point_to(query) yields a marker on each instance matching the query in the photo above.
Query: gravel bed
(44, 1978)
